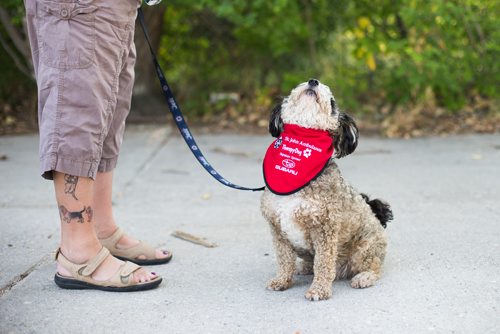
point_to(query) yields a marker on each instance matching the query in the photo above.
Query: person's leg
(74, 87)
(79, 241)
(104, 221)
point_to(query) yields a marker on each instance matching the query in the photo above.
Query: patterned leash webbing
(179, 119)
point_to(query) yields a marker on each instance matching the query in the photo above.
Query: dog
(335, 231)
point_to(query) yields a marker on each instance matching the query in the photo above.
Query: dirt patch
(402, 122)
(420, 122)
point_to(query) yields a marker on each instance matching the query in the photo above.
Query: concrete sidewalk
(441, 273)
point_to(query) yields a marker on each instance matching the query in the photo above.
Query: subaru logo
(288, 163)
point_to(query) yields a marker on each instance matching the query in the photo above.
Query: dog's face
(312, 105)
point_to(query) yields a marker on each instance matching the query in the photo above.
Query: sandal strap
(128, 268)
(136, 251)
(95, 262)
(112, 240)
(85, 269)
(123, 276)
(133, 252)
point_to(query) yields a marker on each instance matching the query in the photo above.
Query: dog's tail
(381, 209)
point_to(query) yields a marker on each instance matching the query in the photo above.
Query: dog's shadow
(300, 281)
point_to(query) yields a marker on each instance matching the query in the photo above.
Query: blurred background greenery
(403, 67)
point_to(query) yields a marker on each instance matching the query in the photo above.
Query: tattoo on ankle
(79, 216)
(70, 185)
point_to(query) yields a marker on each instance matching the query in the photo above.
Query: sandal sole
(73, 284)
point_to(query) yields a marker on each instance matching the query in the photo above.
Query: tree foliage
(446, 47)
(17, 85)
(375, 54)
(388, 51)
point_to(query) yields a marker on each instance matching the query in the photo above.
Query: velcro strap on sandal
(128, 268)
(141, 248)
(113, 239)
(95, 262)
(67, 264)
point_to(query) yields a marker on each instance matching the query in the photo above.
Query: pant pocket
(66, 33)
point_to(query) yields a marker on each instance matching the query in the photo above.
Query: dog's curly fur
(335, 231)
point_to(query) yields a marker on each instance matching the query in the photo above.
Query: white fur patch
(286, 206)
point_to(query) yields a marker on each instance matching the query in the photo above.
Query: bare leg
(79, 241)
(306, 266)
(105, 223)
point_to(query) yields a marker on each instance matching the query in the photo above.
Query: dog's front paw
(364, 279)
(279, 284)
(316, 293)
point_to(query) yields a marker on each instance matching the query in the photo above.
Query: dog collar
(296, 158)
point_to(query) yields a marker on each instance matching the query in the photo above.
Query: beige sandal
(121, 281)
(133, 253)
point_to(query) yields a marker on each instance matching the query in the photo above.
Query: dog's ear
(334, 106)
(345, 138)
(275, 122)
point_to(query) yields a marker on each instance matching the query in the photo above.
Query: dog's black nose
(313, 82)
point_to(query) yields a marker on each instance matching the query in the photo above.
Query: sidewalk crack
(148, 160)
(19, 278)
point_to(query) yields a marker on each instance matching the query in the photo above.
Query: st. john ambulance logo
(278, 142)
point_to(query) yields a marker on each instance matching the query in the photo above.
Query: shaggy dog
(335, 231)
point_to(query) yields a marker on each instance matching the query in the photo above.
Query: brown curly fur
(341, 236)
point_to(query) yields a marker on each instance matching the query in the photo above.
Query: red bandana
(296, 158)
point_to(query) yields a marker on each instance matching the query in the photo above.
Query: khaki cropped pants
(84, 56)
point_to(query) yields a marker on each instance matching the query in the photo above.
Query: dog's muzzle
(313, 83)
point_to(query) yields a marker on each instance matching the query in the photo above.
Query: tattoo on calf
(70, 185)
(79, 216)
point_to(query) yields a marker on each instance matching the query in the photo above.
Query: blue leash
(179, 119)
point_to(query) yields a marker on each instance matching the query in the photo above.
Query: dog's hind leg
(325, 247)
(306, 265)
(286, 257)
(366, 261)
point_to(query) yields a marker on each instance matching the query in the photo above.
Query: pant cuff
(54, 163)
(107, 164)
